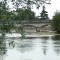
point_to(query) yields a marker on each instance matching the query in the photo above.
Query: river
(32, 47)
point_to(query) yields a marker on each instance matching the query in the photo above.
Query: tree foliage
(6, 17)
(44, 14)
(56, 22)
(26, 3)
(25, 14)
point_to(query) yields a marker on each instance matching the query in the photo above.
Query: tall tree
(44, 14)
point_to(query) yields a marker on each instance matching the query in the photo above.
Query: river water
(32, 47)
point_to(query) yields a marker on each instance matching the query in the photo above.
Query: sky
(53, 7)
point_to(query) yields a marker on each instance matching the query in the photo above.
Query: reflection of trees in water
(21, 44)
(2, 47)
(57, 50)
(44, 49)
(44, 44)
(11, 43)
(57, 46)
(45, 37)
(25, 45)
(56, 39)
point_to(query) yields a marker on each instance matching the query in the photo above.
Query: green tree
(6, 23)
(44, 14)
(56, 22)
(25, 14)
(5, 19)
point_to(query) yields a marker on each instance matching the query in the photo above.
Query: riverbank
(41, 32)
(30, 34)
(46, 33)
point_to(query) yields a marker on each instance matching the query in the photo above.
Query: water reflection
(12, 43)
(57, 50)
(56, 43)
(25, 45)
(44, 44)
(20, 44)
(45, 37)
(56, 37)
(42, 48)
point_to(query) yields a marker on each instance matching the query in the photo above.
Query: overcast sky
(53, 7)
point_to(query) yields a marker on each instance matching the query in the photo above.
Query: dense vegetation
(56, 22)
(25, 14)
